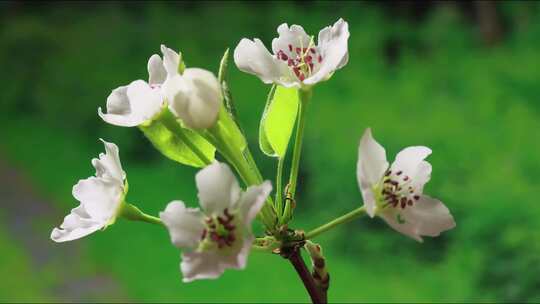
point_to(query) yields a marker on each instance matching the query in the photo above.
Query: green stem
(133, 213)
(305, 96)
(356, 213)
(170, 122)
(279, 188)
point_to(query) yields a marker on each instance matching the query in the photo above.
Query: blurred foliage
(423, 82)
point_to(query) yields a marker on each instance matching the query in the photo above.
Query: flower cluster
(188, 114)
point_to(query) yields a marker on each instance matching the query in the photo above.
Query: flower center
(220, 230)
(398, 190)
(303, 60)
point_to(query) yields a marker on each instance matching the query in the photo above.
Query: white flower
(296, 61)
(139, 102)
(100, 196)
(194, 97)
(219, 237)
(395, 193)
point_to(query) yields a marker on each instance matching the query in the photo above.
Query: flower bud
(194, 97)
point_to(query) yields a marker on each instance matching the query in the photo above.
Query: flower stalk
(131, 212)
(305, 96)
(356, 213)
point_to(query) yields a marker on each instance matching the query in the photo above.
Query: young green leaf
(175, 148)
(278, 120)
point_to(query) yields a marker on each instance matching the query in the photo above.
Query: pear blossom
(100, 198)
(296, 60)
(219, 236)
(395, 192)
(141, 101)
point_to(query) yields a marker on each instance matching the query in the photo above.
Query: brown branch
(303, 272)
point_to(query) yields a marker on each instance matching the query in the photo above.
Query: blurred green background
(461, 78)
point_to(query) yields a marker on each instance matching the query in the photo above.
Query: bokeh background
(461, 78)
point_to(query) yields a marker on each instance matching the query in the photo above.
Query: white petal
(76, 225)
(252, 57)
(185, 225)
(253, 200)
(156, 71)
(370, 168)
(200, 265)
(427, 217)
(211, 264)
(333, 45)
(171, 60)
(108, 165)
(145, 102)
(295, 36)
(195, 97)
(119, 109)
(218, 188)
(421, 177)
(411, 162)
(99, 197)
(132, 105)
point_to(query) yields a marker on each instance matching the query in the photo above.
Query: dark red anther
(399, 173)
(302, 77)
(298, 50)
(409, 202)
(406, 178)
(304, 50)
(388, 172)
(290, 47)
(309, 58)
(311, 66)
(204, 232)
(416, 197)
(312, 50)
(319, 58)
(290, 62)
(227, 214)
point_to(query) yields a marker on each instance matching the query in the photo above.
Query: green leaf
(175, 148)
(278, 120)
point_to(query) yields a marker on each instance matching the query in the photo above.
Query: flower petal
(295, 36)
(108, 165)
(218, 188)
(252, 57)
(132, 105)
(99, 197)
(76, 225)
(171, 60)
(427, 217)
(411, 162)
(253, 200)
(422, 176)
(211, 264)
(195, 97)
(185, 225)
(370, 168)
(333, 45)
(119, 109)
(145, 102)
(156, 71)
